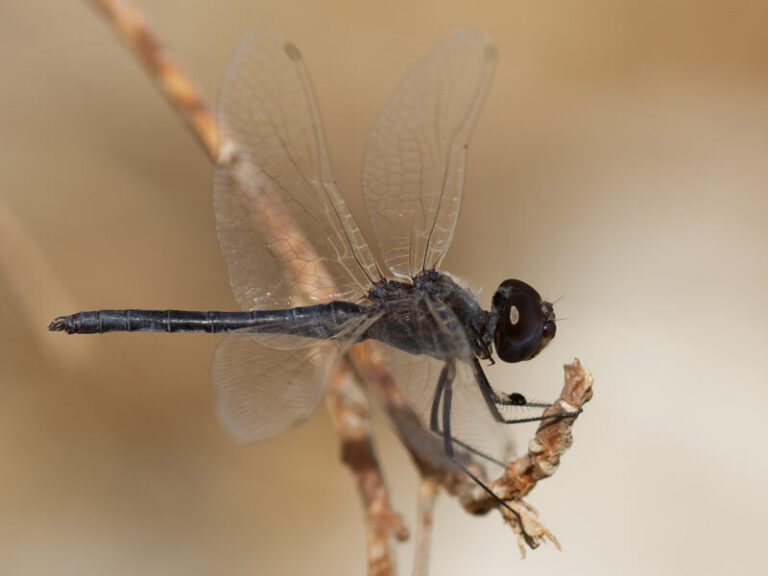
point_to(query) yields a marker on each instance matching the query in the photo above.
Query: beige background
(620, 160)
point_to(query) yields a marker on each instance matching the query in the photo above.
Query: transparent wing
(267, 383)
(283, 226)
(262, 392)
(416, 378)
(472, 425)
(415, 156)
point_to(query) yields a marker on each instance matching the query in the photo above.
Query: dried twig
(350, 411)
(426, 507)
(173, 82)
(349, 408)
(552, 439)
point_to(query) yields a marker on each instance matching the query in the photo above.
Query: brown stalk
(553, 437)
(350, 409)
(425, 510)
(350, 412)
(175, 85)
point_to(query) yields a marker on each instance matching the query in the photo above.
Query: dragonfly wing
(416, 378)
(412, 386)
(472, 425)
(415, 157)
(261, 391)
(268, 383)
(283, 226)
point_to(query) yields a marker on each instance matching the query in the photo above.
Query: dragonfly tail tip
(59, 324)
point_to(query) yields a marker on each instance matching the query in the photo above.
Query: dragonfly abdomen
(318, 321)
(100, 321)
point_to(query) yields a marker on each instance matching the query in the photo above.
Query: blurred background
(619, 161)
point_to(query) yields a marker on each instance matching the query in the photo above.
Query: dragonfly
(309, 285)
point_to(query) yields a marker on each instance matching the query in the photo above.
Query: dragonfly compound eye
(525, 323)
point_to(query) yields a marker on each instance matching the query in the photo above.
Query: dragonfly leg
(493, 400)
(434, 413)
(445, 385)
(434, 424)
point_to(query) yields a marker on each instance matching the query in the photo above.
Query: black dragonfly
(307, 281)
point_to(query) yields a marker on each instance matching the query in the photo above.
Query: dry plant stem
(174, 84)
(407, 424)
(552, 439)
(350, 411)
(426, 507)
(351, 418)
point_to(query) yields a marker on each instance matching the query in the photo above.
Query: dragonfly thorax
(431, 315)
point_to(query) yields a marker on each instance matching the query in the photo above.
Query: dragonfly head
(521, 322)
